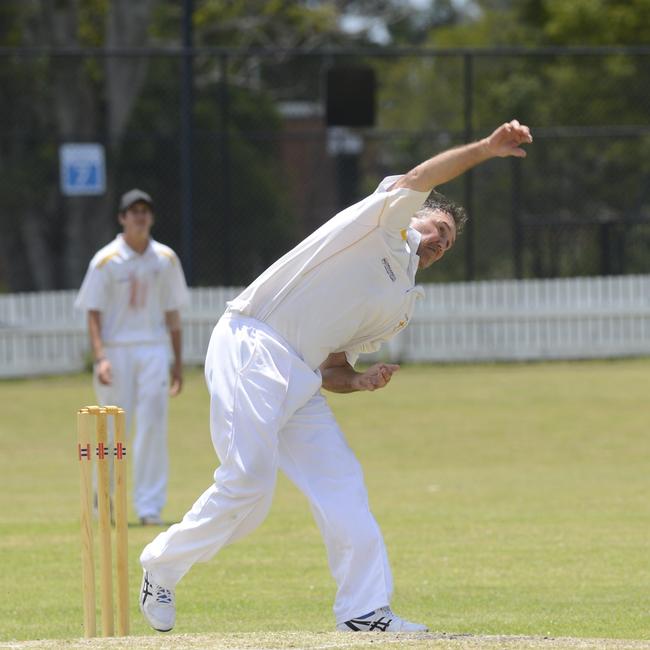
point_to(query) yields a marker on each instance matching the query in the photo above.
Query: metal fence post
(187, 137)
(468, 78)
(225, 200)
(517, 234)
(606, 232)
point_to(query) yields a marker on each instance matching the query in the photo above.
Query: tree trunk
(77, 94)
(126, 27)
(38, 251)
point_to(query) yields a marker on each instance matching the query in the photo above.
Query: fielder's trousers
(267, 412)
(141, 387)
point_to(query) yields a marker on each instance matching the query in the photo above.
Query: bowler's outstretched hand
(507, 140)
(375, 377)
(447, 165)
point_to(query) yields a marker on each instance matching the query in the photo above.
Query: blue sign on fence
(83, 169)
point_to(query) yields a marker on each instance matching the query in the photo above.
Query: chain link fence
(235, 149)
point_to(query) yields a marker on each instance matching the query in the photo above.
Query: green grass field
(514, 499)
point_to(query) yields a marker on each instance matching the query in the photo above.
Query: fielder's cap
(133, 196)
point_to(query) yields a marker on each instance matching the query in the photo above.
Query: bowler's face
(438, 232)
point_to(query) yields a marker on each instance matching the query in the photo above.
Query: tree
(578, 170)
(49, 239)
(77, 99)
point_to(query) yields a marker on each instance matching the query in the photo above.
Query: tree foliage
(575, 172)
(578, 171)
(47, 238)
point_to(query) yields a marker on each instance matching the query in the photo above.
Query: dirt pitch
(329, 641)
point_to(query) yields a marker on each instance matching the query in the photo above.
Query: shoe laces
(164, 596)
(385, 611)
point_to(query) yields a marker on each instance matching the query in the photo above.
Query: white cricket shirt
(133, 291)
(350, 285)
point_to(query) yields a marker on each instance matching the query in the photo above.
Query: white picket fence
(41, 333)
(575, 318)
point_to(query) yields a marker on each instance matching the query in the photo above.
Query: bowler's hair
(438, 201)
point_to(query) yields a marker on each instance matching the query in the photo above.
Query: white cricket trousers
(267, 412)
(141, 387)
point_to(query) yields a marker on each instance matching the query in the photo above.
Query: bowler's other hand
(104, 372)
(375, 377)
(176, 380)
(506, 140)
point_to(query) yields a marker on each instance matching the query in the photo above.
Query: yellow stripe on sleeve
(104, 260)
(169, 255)
(403, 233)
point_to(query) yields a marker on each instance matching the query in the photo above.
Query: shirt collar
(126, 252)
(413, 238)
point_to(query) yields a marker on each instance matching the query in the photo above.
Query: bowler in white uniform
(132, 292)
(296, 329)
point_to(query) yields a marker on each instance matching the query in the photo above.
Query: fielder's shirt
(133, 291)
(350, 285)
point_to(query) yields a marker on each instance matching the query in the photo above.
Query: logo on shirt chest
(388, 269)
(138, 290)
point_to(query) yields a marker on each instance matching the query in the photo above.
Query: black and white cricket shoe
(381, 620)
(157, 604)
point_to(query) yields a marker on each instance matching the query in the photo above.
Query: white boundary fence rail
(41, 333)
(575, 318)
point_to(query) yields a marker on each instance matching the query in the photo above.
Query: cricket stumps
(96, 445)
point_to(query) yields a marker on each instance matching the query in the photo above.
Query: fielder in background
(300, 326)
(133, 291)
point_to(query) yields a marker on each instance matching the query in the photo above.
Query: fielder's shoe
(381, 620)
(151, 520)
(157, 604)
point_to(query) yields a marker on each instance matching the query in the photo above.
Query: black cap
(133, 196)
